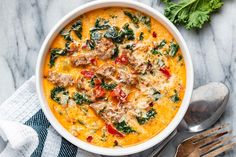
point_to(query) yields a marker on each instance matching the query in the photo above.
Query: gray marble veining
(25, 24)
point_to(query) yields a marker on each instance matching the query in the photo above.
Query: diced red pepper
(93, 61)
(99, 92)
(118, 93)
(154, 34)
(89, 138)
(123, 59)
(165, 72)
(151, 104)
(113, 131)
(73, 47)
(97, 81)
(87, 73)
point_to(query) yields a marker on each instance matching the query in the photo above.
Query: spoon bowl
(207, 105)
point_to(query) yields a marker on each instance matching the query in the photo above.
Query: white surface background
(25, 23)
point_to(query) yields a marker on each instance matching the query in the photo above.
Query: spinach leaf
(116, 53)
(114, 34)
(150, 114)
(175, 98)
(156, 52)
(123, 127)
(60, 95)
(161, 44)
(141, 37)
(54, 54)
(108, 86)
(92, 83)
(81, 98)
(156, 95)
(91, 44)
(133, 18)
(66, 34)
(160, 62)
(173, 49)
(146, 21)
(130, 47)
(100, 24)
(117, 35)
(77, 28)
(95, 35)
(128, 32)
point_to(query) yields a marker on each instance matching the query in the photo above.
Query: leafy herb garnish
(161, 44)
(156, 52)
(77, 28)
(150, 114)
(141, 37)
(146, 21)
(108, 86)
(117, 35)
(123, 127)
(58, 93)
(175, 98)
(136, 19)
(81, 98)
(66, 34)
(173, 49)
(90, 44)
(54, 54)
(133, 18)
(156, 95)
(100, 24)
(95, 35)
(130, 47)
(191, 13)
(116, 53)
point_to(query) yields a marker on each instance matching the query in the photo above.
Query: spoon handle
(162, 146)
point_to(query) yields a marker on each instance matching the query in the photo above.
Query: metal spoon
(207, 104)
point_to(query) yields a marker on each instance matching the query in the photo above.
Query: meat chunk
(127, 78)
(61, 79)
(106, 71)
(105, 49)
(109, 112)
(82, 59)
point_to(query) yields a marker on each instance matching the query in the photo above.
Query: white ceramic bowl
(110, 3)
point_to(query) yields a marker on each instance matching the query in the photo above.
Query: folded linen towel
(27, 131)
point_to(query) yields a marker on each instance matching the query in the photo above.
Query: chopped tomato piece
(87, 73)
(123, 59)
(93, 61)
(99, 92)
(97, 81)
(113, 131)
(89, 138)
(118, 93)
(84, 46)
(165, 72)
(154, 34)
(73, 47)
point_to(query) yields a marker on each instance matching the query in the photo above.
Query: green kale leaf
(123, 127)
(191, 13)
(77, 28)
(150, 114)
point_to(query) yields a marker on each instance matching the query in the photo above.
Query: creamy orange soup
(114, 77)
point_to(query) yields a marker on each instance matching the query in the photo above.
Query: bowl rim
(137, 147)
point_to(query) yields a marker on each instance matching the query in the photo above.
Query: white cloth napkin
(26, 130)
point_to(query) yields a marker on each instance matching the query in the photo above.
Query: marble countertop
(24, 25)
